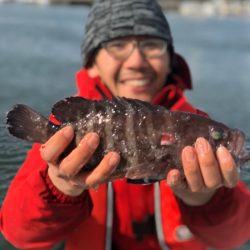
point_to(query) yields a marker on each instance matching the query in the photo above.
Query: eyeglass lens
(122, 48)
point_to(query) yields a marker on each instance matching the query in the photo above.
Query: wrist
(64, 186)
(195, 199)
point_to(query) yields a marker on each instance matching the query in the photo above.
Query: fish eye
(216, 135)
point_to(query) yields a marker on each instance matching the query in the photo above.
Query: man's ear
(93, 71)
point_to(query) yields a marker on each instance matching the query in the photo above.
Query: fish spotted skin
(149, 138)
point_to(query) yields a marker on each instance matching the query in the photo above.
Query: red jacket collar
(91, 88)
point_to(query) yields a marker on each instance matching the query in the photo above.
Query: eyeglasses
(122, 48)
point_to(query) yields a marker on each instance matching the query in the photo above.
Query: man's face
(137, 76)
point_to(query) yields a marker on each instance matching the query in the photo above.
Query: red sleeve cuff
(214, 212)
(56, 196)
(213, 203)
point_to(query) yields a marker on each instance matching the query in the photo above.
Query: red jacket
(35, 215)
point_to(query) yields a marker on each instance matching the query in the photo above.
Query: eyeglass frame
(136, 43)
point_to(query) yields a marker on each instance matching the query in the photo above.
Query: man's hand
(205, 172)
(67, 174)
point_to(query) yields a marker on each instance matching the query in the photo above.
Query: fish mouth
(236, 146)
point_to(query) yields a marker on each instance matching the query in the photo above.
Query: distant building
(184, 7)
(215, 7)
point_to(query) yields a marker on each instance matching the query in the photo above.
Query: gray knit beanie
(109, 19)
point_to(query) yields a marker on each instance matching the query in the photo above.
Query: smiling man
(127, 51)
(134, 67)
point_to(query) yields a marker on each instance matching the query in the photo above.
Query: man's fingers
(208, 164)
(228, 167)
(92, 179)
(76, 160)
(192, 169)
(53, 148)
(102, 171)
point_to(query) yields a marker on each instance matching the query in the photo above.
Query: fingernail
(114, 160)
(92, 139)
(202, 146)
(189, 154)
(172, 179)
(224, 154)
(68, 132)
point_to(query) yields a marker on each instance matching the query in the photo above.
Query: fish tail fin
(244, 156)
(243, 162)
(25, 123)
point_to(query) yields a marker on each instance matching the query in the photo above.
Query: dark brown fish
(149, 138)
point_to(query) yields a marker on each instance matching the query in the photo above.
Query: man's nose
(136, 59)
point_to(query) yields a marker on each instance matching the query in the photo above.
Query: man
(127, 51)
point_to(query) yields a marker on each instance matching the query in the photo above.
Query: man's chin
(143, 93)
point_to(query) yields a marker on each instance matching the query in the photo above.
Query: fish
(149, 138)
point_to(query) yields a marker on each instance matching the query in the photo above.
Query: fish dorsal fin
(72, 108)
(137, 104)
(75, 108)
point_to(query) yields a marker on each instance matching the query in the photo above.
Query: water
(40, 52)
